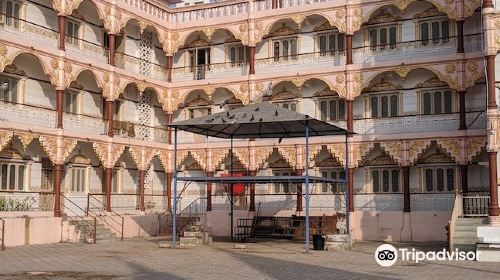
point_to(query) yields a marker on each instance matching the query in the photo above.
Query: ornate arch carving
(5, 137)
(108, 153)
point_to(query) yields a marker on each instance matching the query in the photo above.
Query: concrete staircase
(465, 236)
(195, 235)
(86, 230)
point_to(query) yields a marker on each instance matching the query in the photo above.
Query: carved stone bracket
(200, 155)
(359, 151)
(108, 153)
(337, 151)
(451, 146)
(243, 155)
(314, 151)
(415, 149)
(26, 138)
(261, 155)
(49, 144)
(142, 156)
(111, 87)
(217, 156)
(65, 7)
(68, 145)
(474, 146)
(165, 159)
(289, 154)
(394, 149)
(5, 137)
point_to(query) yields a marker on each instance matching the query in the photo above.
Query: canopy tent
(259, 120)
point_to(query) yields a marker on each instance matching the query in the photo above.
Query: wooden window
(384, 105)
(332, 109)
(238, 54)
(436, 30)
(199, 112)
(437, 101)
(78, 179)
(330, 43)
(72, 32)
(383, 37)
(9, 94)
(385, 180)
(334, 174)
(286, 188)
(72, 102)
(285, 49)
(12, 176)
(439, 179)
(10, 13)
(289, 105)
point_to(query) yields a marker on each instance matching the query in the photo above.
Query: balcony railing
(215, 10)
(432, 201)
(87, 49)
(216, 70)
(416, 49)
(128, 129)
(84, 124)
(122, 202)
(140, 66)
(279, 4)
(33, 32)
(419, 123)
(394, 201)
(475, 205)
(28, 114)
(294, 63)
(22, 201)
(378, 202)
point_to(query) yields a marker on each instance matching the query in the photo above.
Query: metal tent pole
(307, 187)
(347, 194)
(174, 216)
(231, 191)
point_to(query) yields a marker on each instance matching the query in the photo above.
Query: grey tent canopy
(259, 120)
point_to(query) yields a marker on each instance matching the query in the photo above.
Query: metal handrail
(121, 231)
(82, 218)
(2, 245)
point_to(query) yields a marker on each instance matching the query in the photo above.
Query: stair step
(465, 247)
(464, 240)
(190, 241)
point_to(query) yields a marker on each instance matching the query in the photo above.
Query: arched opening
(26, 176)
(420, 98)
(27, 91)
(83, 105)
(389, 31)
(140, 51)
(85, 33)
(34, 20)
(215, 55)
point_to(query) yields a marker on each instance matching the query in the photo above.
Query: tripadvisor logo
(387, 255)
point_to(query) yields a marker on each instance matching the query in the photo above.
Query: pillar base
(406, 235)
(494, 211)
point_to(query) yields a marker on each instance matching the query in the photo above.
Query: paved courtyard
(143, 259)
